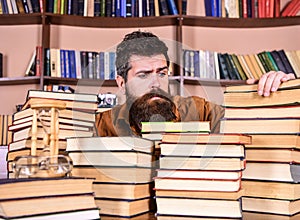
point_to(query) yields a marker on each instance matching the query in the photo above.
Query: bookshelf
(22, 32)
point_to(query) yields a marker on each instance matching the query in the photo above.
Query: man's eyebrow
(150, 71)
(161, 68)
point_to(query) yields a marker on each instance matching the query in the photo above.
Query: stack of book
(122, 168)
(77, 120)
(271, 178)
(53, 198)
(200, 176)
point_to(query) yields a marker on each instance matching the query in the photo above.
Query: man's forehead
(139, 58)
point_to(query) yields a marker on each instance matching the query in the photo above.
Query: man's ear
(121, 83)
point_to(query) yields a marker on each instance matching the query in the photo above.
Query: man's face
(146, 74)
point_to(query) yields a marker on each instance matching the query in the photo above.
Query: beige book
(258, 71)
(245, 66)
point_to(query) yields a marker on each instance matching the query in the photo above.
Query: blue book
(36, 6)
(67, 64)
(208, 8)
(219, 8)
(97, 8)
(101, 65)
(196, 63)
(50, 6)
(62, 63)
(118, 8)
(72, 64)
(112, 59)
(172, 7)
(5, 7)
(123, 8)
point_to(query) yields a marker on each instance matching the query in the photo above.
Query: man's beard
(153, 106)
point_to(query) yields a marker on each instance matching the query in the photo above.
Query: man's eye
(162, 74)
(142, 75)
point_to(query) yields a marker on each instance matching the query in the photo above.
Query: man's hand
(270, 82)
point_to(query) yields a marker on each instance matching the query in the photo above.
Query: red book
(295, 9)
(289, 7)
(244, 5)
(277, 8)
(261, 8)
(38, 61)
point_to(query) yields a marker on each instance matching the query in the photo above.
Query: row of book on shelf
(91, 8)
(251, 9)
(115, 8)
(20, 6)
(250, 170)
(207, 64)
(73, 64)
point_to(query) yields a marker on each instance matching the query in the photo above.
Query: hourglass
(49, 163)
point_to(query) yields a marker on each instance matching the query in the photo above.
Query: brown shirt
(115, 121)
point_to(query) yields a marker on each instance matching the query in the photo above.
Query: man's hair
(141, 44)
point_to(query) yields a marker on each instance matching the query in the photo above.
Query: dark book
(271, 61)
(263, 61)
(232, 70)
(250, 6)
(67, 64)
(108, 7)
(286, 62)
(84, 64)
(196, 64)
(208, 9)
(1, 65)
(75, 7)
(223, 68)
(118, 8)
(151, 8)
(36, 6)
(172, 7)
(50, 6)
(72, 64)
(278, 61)
(47, 69)
(184, 7)
(164, 10)
(129, 8)
(239, 67)
(101, 64)
(63, 63)
(80, 7)
(102, 8)
(4, 7)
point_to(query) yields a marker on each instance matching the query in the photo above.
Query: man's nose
(154, 81)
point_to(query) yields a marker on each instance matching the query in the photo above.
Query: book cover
(197, 207)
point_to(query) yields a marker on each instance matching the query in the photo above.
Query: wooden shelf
(20, 19)
(20, 80)
(239, 22)
(211, 82)
(83, 82)
(109, 22)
